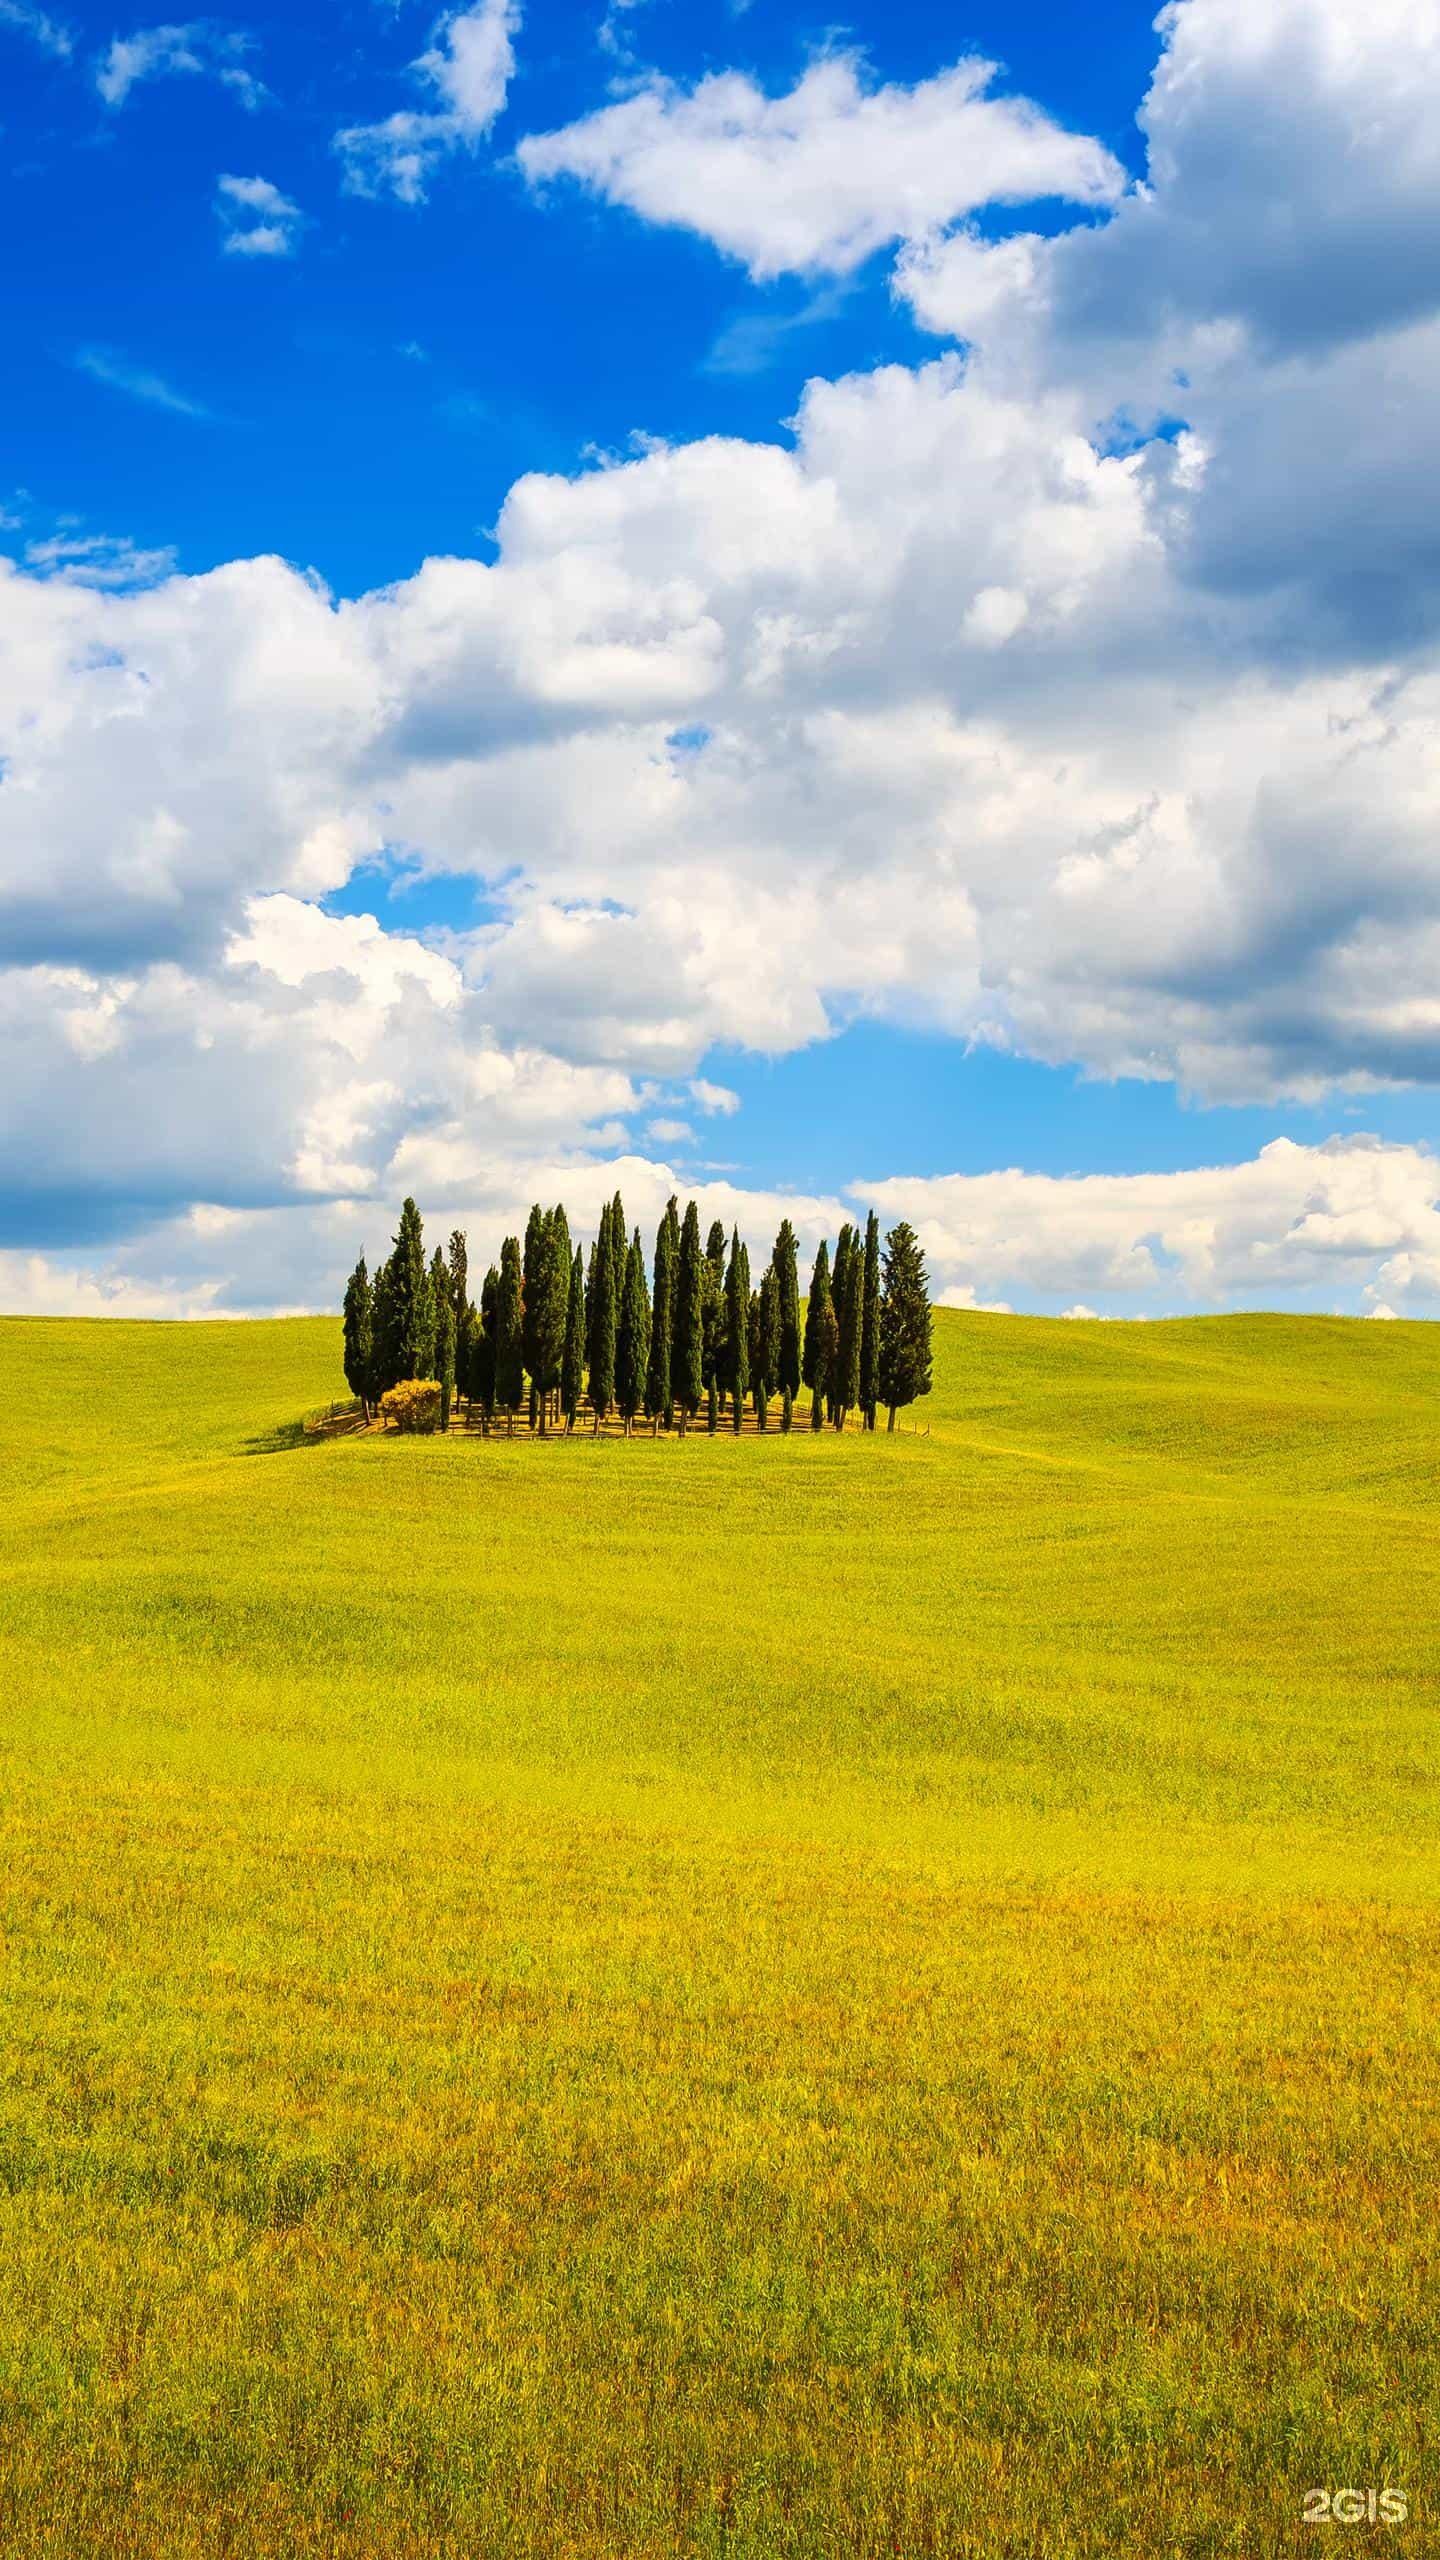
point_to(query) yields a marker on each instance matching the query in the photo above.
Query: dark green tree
(849, 1312)
(662, 1318)
(687, 1357)
(839, 1282)
(409, 1349)
(359, 1338)
(467, 1349)
(787, 1278)
(737, 1326)
(483, 1355)
(458, 1259)
(905, 1348)
(552, 1309)
(819, 1332)
(713, 1353)
(632, 1344)
(534, 1266)
(572, 1366)
(603, 1321)
(510, 1331)
(768, 1360)
(382, 1334)
(444, 1334)
(870, 1323)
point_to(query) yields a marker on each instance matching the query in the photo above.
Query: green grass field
(792, 1997)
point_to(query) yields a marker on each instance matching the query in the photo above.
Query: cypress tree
(687, 1357)
(510, 1330)
(904, 1363)
(838, 1281)
(713, 1355)
(359, 1340)
(769, 1361)
(444, 1344)
(572, 1366)
(382, 1334)
(619, 1254)
(482, 1357)
(870, 1323)
(787, 1277)
(533, 1272)
(849, 1309)
(737, 1326)
(552, 1307)
(410, 1304)
(458, 1258)
(467, 1339)
(787, 1410)
(632, 1343)
(819, 1323)
(662, 1318)
(603, 1296)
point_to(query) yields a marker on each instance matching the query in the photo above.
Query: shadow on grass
(309, 1432)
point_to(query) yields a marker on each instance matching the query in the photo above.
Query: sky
(827, 615)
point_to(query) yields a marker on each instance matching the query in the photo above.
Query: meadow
(779, 1998)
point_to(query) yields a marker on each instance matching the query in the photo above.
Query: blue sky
(1085, 829)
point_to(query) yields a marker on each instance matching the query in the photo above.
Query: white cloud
(469, 67)
(956, 709)
(670, 1133)
(51, 34)
(1293, 1221)
(1080, 1314)
(822, 177)
(257, 220)
(97, 560)
(108, 365)
(163, 53)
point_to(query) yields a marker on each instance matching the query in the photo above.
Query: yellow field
(790, 1997)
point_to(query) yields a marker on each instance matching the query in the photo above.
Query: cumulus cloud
(822, 177)
(169, 52)
(468, 67)
(995, 699)
(1293, 1221)
(257, 221)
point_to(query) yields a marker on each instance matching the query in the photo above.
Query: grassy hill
(800, 1997)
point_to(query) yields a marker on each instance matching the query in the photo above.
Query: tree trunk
(890, 1425)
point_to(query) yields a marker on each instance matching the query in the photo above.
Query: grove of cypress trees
(603, 1311)
(510, 1331)
(905, 1349)
(849, 1309)
(737, 1326)
(787, 1278)
(870, 1323)
(662, 1318)
(572, 1365)
(632, 1347)
(359, 1339)
(687, 1356)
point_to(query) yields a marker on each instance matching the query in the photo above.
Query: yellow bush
(412, 1406)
